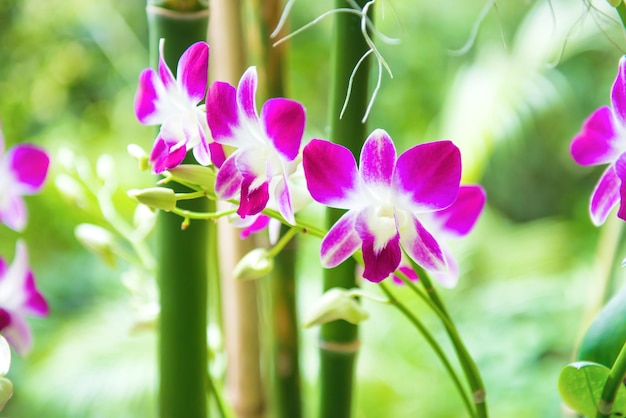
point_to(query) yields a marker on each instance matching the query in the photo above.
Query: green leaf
(607, 334)
(581, 385)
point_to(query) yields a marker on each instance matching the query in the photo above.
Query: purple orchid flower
(19, 297)
(455, 221)
(383, 198)
(23, 171)
(267, 146)
(602, 140)
(173, 103)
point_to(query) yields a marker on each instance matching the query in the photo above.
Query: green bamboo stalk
(244, 383)
(285, 345)
(182, 255)
(339, 341)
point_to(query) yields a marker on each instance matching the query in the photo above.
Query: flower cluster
(23, 170)
(602, 140)
(397, 206)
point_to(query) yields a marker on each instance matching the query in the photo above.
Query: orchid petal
(253, 199)
(35, 304)
(218, 156)
(167, 154)
(421, 246)
(620, 170)
(228, 179)
(221, 112)
(341, 241)
(605, 196)
(246, 92)
(379, 260)
(30, 167)
(13, 212)
(459, 218)
(408, 272)
(378, 158)
(450, 277)
(618, 92)
(595, 143)
(284, 125)
(147, 97)
(193, 69)
(283, 199)
(165, 74)
(427, 176)
(18, 334)
(259, 224)
(331, 175)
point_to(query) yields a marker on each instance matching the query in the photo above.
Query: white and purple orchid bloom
(23, 171)
(384, 197)
(19, 297)
(455, 221)
(602, 140)
(267, 145)
(174, 103)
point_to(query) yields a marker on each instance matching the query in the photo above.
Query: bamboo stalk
(339, 340)
(181, 255)
(244, 384)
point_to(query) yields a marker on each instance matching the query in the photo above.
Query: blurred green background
(533, 271)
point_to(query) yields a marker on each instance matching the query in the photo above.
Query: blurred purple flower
(19, 297)
(383, 197)
(23, 170)
(267, 145)
(173, 103)
(602, 140)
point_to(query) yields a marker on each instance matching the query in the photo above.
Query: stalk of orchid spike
(182, 255)
(339, 341)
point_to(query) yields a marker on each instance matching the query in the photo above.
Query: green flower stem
(181, 255)
(432, 342)
(206, 216)
(612, 385)
(339, 341)
(217, 396)
(467, 362)
(190, 196)
(284, 240)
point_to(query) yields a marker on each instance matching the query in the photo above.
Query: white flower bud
(336, 303)
(6, 391)
(155, 197)
(97, 239)
(195, 174)
(140, 155)
(253, 265)
(5, 356)
(105, 168)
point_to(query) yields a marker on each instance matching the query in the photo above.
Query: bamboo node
(347, 347)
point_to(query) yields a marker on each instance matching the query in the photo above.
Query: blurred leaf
(607, 333)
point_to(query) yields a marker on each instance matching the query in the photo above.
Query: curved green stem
(621, 11)
(467, 362)
(612, 385)
(434, 345)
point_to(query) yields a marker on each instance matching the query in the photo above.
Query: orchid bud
(98, 240)
(336, 303)
(5, 356)
(6, 391)
(140, 155)
(254, 265)
(195, 174)
(71, 189)
(105, 168)
(144, 219)
(155, 197)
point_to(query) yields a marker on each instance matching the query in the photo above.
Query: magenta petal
(218, 156)
(459, 218)
(378, 158)
(146, 98)
(594, 144)
(605, 196)
(331, 174)
(18, 334)
(246, 92)
(341, 241)
(5, 319)
(620, 169)
(193, 71)
(408, 272)
(166, 154)
(13, 213)
(427, 176)
(422, 247)
(284, 201)
(228, 180)
(35, 303)
(618, 92)
(379, 265)
(259, 224)
(30, 167)
(165, 74)
(221, 111)
(252, 201)
(284, 124)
